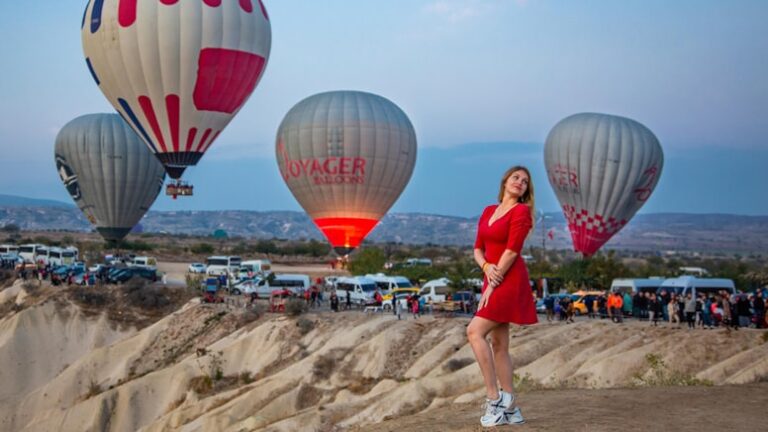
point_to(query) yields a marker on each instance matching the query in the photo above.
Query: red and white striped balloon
(177, 71)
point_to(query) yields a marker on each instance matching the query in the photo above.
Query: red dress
(511, 301)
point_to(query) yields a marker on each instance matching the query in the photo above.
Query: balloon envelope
(603, 168)
(177, 71)
(346, 156)
(110, 174)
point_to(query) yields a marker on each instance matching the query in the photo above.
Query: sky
(483, 82)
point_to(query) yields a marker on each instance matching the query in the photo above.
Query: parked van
(386, 284)
(262, 266)
(689, 284)
(27, 252)
(361, 289)
(218, 265)
(436, 290)
(145, 262)
(9, 249)
(263, 287)
(633, 286)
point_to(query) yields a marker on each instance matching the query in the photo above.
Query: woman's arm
(519, 227)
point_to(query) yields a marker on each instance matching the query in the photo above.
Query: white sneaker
(494, 409)
(514, 417)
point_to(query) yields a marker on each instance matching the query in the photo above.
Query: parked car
(197, 268)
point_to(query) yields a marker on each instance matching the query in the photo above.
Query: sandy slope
(75, 372)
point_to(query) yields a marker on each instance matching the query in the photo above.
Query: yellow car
(578, 301)
(388, 297)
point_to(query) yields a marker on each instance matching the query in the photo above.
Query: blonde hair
(528, 197)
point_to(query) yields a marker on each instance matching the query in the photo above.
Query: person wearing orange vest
(615, 302)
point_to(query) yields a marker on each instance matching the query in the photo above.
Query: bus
(685, 285)
(632, 286)
(219, 265)
(9, 249)
(27, 252)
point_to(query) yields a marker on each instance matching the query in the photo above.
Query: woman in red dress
(506, 297)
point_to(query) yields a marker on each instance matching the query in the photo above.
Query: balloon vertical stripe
(202, 140)
(85, 14)
(136, 123)
(172, 105)
(98, 7)
(211, 141)
(126, 12)
(93, 72)
(149, 113)
(246, 5)
(263, 10)
(191, 138)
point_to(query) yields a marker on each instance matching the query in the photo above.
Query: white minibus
(218, 265)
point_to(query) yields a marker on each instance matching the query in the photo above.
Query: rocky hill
(646, 232)
(71, 362)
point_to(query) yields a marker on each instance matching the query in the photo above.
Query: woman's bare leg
(477, 331)
(501, 358)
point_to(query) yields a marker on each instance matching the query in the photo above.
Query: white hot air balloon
(177, 71)
(109, 172)
(603, 168)
(346, 156)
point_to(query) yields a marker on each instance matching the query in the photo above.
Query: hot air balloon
(177, 71)
(603, 168)
(346, 156)
(108, 171)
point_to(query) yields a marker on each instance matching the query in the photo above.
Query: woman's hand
(494, 275)
(485, 297)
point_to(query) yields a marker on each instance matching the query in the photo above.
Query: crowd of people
(704, 310)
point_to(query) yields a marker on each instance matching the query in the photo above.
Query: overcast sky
(483, 82)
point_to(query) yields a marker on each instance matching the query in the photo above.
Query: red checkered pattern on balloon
(595, 223)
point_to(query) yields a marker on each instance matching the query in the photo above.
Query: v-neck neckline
(490, 224)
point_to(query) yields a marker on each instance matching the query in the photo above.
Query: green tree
(367, 260)
(460, 272)
(604, 268)
(575, 274)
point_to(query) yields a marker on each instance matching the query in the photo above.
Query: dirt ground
(679, 409)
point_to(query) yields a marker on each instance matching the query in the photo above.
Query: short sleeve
(519, 227)
(479, 244)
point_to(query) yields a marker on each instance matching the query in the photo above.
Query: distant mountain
(646, 232)
(17, 201)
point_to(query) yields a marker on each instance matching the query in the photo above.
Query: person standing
(506, 296)
(549, 306)
(758, 304)
(690, 311)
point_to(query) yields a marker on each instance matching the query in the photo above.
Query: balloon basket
(179, 189)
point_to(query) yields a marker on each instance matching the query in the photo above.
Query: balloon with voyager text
(346, 156)
(603, 168)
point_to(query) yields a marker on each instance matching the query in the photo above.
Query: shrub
(305, 326)
(202, 248)
(456, 364)
(90, 296)
(659, 375)
(31, 287)
(295, 307)
(201, 384)
(323, 366)
(148, 297)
